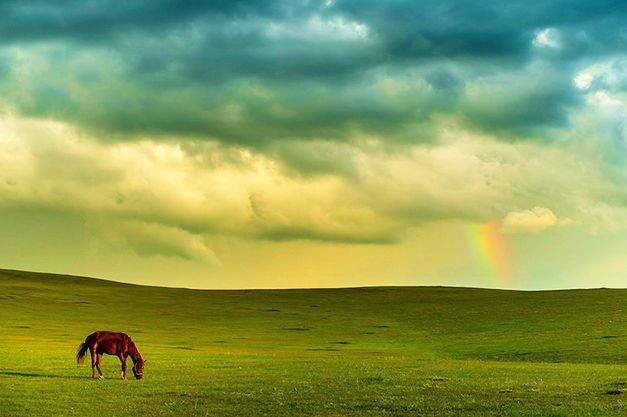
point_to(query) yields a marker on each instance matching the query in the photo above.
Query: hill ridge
(106, 281)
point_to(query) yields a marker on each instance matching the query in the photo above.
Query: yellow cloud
(207, 188)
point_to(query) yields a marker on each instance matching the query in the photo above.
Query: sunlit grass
(378, 351)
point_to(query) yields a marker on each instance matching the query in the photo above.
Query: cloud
(533, 220)
(547, 38)
(203, 188)
(182, 192)
(253, 73)
(338, 121)
(608, 75)
(521, 103)
(153, 239)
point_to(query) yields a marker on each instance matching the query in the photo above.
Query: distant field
(337, 352)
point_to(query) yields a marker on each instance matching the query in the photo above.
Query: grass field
(339, 352)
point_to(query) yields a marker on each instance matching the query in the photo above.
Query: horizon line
(113, 281)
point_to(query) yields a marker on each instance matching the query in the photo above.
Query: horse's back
(109, 342)
(103, 335)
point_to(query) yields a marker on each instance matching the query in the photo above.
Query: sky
(297, 143)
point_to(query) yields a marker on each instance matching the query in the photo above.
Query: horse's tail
(80, 354)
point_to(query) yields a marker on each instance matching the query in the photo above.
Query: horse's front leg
(98, 362)
(123, 361)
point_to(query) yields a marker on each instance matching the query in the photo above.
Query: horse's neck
(134, 353)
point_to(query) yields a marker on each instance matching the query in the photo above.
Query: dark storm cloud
(523, 107)
(253, 72)
(81, 20)
(487, 28)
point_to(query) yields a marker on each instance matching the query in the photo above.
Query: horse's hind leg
(98, 362)
(93, 362)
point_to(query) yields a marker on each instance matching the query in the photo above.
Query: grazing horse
(111, 343)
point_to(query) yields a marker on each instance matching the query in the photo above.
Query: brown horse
(111, 343)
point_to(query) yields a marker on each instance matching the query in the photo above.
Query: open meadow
(336, 352)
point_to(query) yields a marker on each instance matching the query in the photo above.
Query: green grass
(341, 352)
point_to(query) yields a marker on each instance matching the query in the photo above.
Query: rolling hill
(354, 351)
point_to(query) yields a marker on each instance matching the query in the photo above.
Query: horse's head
(138, 369)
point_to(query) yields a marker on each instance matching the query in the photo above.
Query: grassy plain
(336, 352)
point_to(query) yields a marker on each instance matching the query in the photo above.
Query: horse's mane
(134, 353)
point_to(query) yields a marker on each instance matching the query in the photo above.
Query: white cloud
(583, 79)
(608, 75)
(547, 38)
(533, 220)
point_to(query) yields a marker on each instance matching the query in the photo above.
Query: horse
(111, 343)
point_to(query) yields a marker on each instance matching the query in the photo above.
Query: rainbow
(488, 247)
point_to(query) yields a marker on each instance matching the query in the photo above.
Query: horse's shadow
(38, 375)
